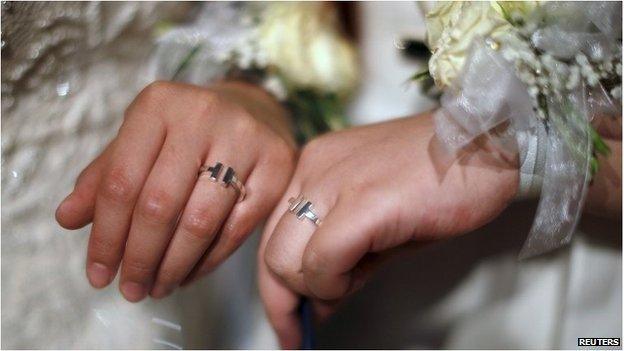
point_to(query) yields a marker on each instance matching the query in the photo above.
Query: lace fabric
(69, 71)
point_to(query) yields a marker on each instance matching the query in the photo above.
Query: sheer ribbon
(488, 94)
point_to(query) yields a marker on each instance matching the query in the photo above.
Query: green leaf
(186, 61)
(506, 14)
(593, 166)
(599, 146)
(316, 112)
(420, 76)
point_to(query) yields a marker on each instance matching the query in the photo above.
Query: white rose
(301, 41)
(454, 27)
(442, 16)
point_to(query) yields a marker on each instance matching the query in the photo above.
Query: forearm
(604, 197)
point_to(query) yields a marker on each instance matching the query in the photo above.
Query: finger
(160, 202)
(324, 309)
(285, 249)
(280, 305)
(136, 148)
(208, 207)
(264, 187)
(338, 245)
(77, 209)
(279, 302)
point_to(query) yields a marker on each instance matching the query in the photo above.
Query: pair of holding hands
(377, 188)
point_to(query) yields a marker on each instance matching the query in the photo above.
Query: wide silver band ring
(303, 208)
(229, 178)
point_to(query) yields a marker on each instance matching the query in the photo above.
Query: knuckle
(117, 186)
(234, 236)
(138, 268)
(274, 263)
(284, 154)
(102, 248)
(243, 124)
(311, 149)
(206, 104)
(198, 226)
(313, 152)
(157, 206)
(313, 262)
(84, 175)
(155, 90)
(280, 267)
(149, 100)
(168, 276)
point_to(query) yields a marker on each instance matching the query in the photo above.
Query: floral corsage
(542, 71)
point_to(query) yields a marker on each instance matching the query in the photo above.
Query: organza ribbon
(488, 93)
(572, 28)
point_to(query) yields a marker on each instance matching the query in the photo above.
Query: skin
(151, 213)
(378, 188)
(604, 198)
(381, 190)
(166, 227)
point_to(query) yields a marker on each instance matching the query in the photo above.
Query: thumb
(280, 303)
(281, 306)
(337, 247)
(77, 209)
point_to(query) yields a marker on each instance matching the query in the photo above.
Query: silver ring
(229, 179)
(301, 207)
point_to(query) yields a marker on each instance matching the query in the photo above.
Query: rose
(451, 29)
(302, 43)
(442, 16)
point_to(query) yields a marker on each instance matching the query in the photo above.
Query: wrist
(259, 104)
(497, 168)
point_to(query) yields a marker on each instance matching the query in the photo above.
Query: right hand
(150, 211)
(380, 190)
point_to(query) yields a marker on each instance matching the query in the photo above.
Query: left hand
(155, 219)
(376, 188)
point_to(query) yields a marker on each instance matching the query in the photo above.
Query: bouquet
(295, 50)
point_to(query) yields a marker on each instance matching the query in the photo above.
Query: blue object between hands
(307, 324)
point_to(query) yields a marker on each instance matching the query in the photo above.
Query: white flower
(442, 16)
(302, 42)
(451, 31)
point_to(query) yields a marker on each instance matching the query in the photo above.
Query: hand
(376, 188)
(145, 198)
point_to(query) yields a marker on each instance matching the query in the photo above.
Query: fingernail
(132, 291)
(98, 274)
(160, 291)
